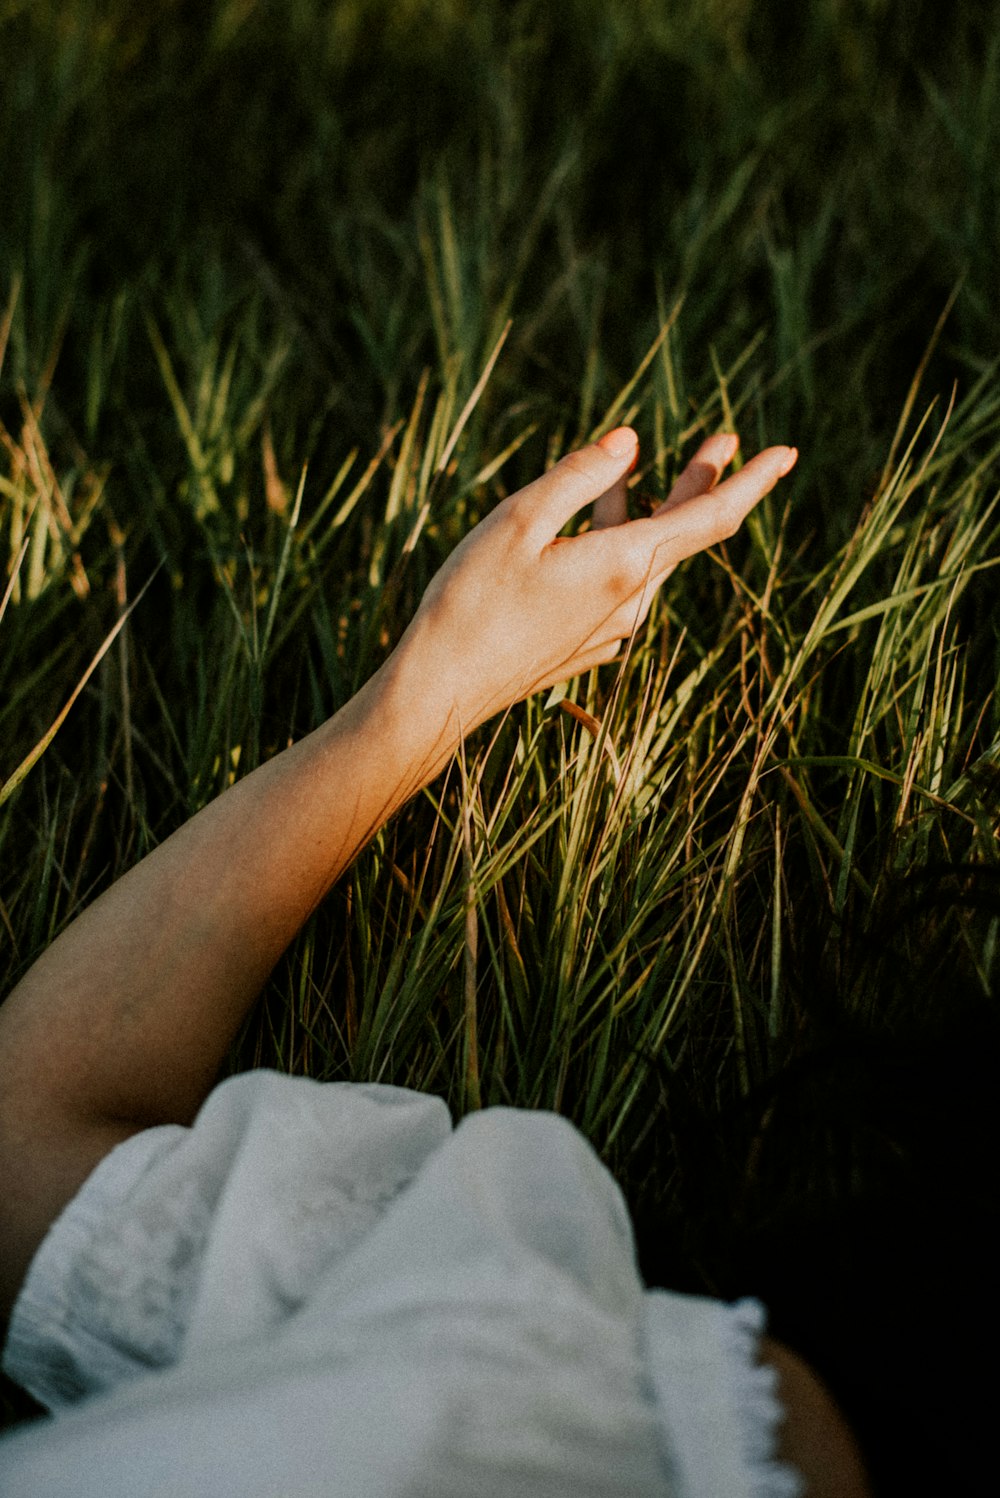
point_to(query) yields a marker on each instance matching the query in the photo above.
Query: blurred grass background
(254, 258)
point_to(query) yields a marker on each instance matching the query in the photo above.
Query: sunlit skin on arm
(126, 1019)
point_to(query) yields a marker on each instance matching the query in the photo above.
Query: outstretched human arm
(125, 1020)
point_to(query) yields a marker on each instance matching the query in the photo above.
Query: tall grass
(293, 295)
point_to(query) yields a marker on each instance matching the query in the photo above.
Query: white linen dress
(326, 1289)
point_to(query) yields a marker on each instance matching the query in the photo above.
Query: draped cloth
(325, 1288)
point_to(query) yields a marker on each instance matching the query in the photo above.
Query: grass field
(254, 260)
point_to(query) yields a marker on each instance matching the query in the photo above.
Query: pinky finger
(583, 663)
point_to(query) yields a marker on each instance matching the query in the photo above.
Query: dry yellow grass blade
(34, 755)
(473, 400)
(593, 726)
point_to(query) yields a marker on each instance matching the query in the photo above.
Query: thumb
(621, 443)
(580, 478)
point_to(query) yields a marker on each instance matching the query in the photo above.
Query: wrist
(408, 714)
(450, 690)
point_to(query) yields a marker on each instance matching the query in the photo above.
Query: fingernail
(620, 443)
(790, 461)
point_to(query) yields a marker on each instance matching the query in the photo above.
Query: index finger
(686, 528)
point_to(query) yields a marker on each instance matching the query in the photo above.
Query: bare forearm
(125, 1019)
(128, 1015)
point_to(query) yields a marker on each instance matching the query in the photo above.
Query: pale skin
(126, 1019)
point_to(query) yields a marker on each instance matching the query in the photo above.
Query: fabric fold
(326, 1287)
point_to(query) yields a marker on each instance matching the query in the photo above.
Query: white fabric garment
(326, 1289)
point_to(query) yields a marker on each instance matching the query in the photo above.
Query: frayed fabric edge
(754, 1399)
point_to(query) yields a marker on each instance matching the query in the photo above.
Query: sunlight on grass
(243, 422)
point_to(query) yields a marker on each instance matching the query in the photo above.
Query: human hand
(517, 608)
(125, 1020)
